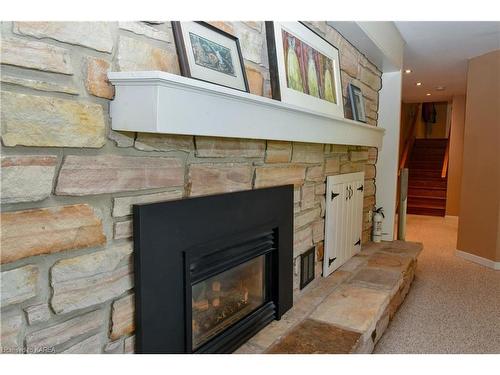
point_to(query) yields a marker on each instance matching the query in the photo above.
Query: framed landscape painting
(209, 54)
(304, 68)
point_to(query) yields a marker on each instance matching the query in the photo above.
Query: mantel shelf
(160, 102)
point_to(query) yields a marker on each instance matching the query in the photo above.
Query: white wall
(387, 164)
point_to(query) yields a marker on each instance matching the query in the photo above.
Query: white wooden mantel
(160, 102)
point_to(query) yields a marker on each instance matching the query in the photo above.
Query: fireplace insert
(210, 272)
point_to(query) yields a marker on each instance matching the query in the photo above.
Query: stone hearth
(348, 311)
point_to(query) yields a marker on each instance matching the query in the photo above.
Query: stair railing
(410, 140)
(446, 159)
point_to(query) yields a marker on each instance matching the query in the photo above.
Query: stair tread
(426, 197)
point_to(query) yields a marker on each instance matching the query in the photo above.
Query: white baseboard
(477, 259)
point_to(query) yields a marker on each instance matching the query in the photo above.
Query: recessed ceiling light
(408, 71)
(418, 83)
(440, 88)
(428, 94)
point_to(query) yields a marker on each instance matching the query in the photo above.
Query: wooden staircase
(427, 177)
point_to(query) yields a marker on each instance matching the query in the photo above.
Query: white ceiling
(437, 54)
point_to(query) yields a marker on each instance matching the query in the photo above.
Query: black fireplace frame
(170, 238)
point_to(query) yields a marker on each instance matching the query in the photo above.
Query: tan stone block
(91, 264)
(91, 345)
(368, 202)
(307, 153)
(129, 345)
(211, 147)
(30, 120)
(275, 176)
(251, 42)
(19, 285)
(205, 179)
(122, 317)
(340, 149)
(358, 155)
(322, 203)
(351, 167)
(332, 166)
(369, 78)
(123, 229)
(223, 25)
(37, 313)
(314, 337)
(370, 171)
(122, 139)
(318, 230)
(141, 28)
(369, 187)
(39, 84)
(49, 230)
(320, 251)
(27, 178)
(372, 155)
(333, 36)
(354, 264)
(307, 201)
(10, 330)
(163, 142)
(377, 278)
(297, 194)
(320, 189)
(61, 333)
(318, 26)
(115, 347)
(255, 81)
(91, 279)
(349, 58)
(96, 82)
(94, 35)
(302, 241)
(306, 217)
(136, 55)
(315, 174)
(366, 236)
(257, 25)
(87, 175)
(390, 261)
(278, 152)
(35, 55)
(355, 308)
(122, 206)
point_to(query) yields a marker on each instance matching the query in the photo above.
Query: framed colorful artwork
(209, 54)
(357, 103)
(304, 68)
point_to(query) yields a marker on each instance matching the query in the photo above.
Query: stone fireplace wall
(68, 180)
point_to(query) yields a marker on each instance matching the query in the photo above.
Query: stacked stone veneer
(68, 180)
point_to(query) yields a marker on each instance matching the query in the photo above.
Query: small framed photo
(209, 54)
(357, 103)
(304, 68)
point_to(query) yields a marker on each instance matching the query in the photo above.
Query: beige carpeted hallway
(453, 305)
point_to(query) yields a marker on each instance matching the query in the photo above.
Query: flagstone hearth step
(348, 311)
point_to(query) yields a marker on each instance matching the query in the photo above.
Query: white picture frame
(320, 57)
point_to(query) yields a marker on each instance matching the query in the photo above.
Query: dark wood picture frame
(273, 61)
(273, 58)
(182, 52)
(356, 115)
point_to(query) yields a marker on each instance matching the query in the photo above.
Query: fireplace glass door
(225, 298)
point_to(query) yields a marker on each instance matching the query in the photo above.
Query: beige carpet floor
(453, 305)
